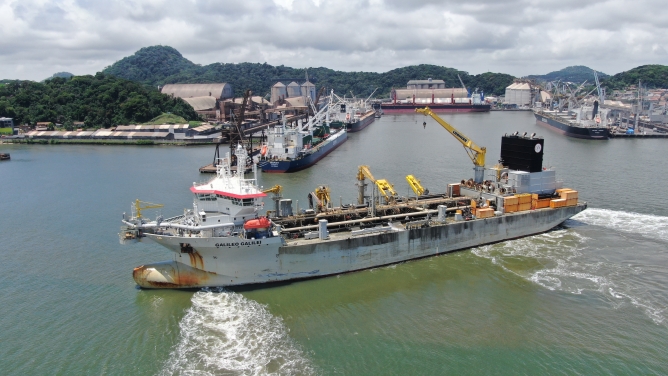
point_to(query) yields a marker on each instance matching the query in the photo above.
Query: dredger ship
(225, 241)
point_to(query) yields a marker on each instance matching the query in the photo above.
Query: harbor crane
(475, 152)
(385, 188)
(147, 205)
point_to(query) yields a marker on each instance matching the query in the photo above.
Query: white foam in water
(560, 264)
(644, 224)
(225, 333)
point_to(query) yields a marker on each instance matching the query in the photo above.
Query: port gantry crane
(475, 152)
(385, 188)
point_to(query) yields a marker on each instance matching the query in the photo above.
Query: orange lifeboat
(259, 223)
(263, 151)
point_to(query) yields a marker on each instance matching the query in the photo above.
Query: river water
(587, 298)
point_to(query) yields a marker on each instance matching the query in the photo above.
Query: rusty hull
(173, 274)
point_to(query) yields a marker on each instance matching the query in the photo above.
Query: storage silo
(278, 91)
(294, 90)
(308, 90)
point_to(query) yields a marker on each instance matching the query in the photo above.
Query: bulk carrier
(352, 114)
(432, 93)
(291, 149)
(587, 122)
(225, 241)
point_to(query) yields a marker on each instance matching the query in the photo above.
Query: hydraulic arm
(475, 152)
(385, 188)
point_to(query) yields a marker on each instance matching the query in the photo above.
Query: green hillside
(159, 65)
(576, 73)
(99, 101)
(652, 76)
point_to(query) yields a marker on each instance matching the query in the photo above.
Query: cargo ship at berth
(432, 93)
(297, 147)
(587, 122)
(224, 240)
(355, 115)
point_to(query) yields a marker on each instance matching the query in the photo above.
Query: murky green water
(587, 298)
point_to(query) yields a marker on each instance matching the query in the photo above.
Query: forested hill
(99, 101)
(159, 65)
(652, 76)
(576, 73)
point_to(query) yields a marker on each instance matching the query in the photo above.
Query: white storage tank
(294, 90)
(278, 91)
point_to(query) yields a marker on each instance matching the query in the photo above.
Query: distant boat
(4, 157)
(584, 122)
(354, 114)
(291, 149)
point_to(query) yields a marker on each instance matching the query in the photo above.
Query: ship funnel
(595, 111)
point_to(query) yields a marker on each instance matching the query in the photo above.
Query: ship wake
(574, 259)
(225, 333)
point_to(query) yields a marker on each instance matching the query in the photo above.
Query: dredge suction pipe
(365, 220)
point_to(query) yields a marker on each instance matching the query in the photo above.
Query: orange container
(572, 202)
(523, 207)
(542, 203)
(509, 201)
(569, 195)
(524, 198)
(473, 204)
(557, 203)
(510, 208)
(484, 213)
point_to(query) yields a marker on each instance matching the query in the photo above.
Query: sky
(518, 37)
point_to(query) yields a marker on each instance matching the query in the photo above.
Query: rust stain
(181, 278)
(196, 260)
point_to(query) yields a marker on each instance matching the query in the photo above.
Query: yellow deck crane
(475, 152)
(416, 186)
(147, 205)
(320, 199)
(276, 190)
(385, 188)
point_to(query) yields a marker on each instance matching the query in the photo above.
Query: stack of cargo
(511, 204)
(524, 201)
(557, 203)
(484, 213)
(539, 203)
(570, 195)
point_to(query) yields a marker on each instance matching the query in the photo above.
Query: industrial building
(162, 132)
(519, 94)
(204, 98)
(426, 84)
(280, 92)
(219, 91)
(7, 126)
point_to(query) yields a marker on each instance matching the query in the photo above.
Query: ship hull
(356, 126)
(286, 166)
(225, 262)
(589, 133)
(362, 123)
(435, 107)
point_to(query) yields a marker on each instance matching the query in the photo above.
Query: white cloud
(519, 37)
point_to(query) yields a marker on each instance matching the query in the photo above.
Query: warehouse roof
(195, 90)
(423, 82)
(201, 103)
